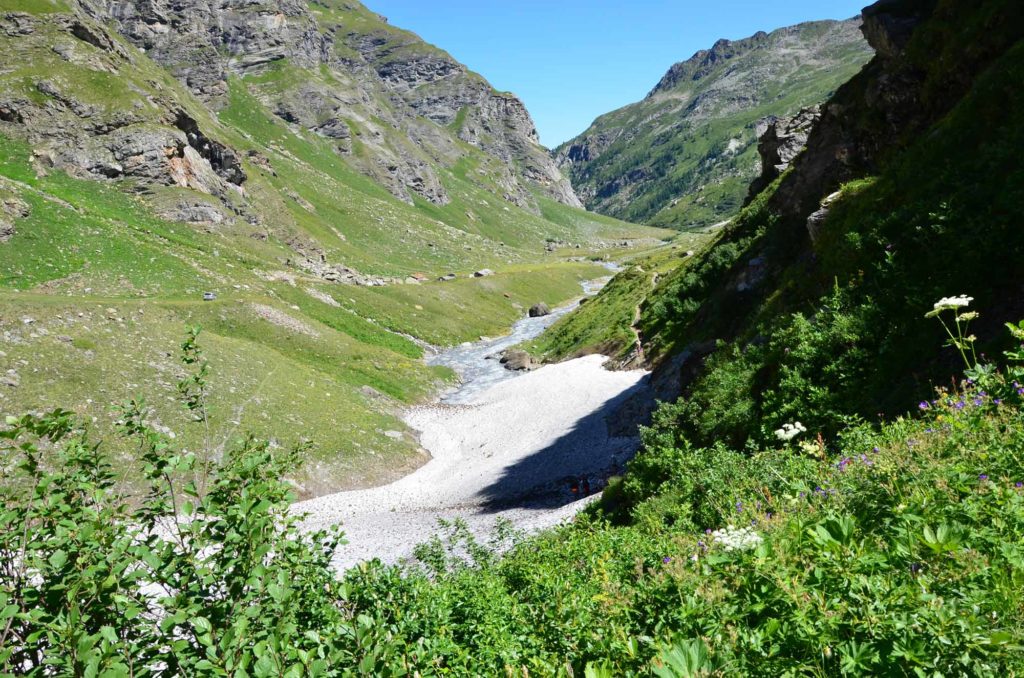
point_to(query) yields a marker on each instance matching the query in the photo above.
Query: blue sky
(572, 60)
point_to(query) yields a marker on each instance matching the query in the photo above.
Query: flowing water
(478, 363)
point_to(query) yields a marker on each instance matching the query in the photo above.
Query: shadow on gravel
(579, 463)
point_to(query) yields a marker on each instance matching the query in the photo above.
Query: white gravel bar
(514, 449)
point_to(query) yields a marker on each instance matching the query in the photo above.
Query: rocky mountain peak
(704, 61)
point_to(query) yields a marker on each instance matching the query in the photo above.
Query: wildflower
(790, 431)
(1019, 485)
(694, 557)
(667, 559)
(997, 401)
(949, 303)
(923, 405)
(732, 538)
(983, 477)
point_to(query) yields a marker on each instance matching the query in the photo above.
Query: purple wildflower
(666, 559)
(983, 476)
(923, 405)
(1019, 485)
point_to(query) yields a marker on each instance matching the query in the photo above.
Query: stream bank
(532, 448)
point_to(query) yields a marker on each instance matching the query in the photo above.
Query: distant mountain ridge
(685, 154)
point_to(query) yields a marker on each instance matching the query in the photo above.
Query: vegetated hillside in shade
(684, 156)
(295, 161)
(810, 305)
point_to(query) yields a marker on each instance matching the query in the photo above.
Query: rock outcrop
(779, 142)
(11, 210)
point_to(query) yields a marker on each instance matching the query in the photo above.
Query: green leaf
(58, 559)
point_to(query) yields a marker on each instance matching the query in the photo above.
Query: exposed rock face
(781, 141)
(393, 107)
(11, 209)
(364, 79)
(876, 113)
(684, 155)
(145, 136)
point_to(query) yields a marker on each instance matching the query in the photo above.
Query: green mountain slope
(684, 156)
(144, 166)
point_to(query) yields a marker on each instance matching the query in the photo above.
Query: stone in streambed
(538, 310)
(517, 361)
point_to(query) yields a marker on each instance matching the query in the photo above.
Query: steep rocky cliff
(684, 155)
(397, 109)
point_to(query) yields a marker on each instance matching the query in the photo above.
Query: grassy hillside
(606, 324)
(100, 276)
(96, 298)
(685, 155)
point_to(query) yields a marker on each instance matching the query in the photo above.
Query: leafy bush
(894, 550)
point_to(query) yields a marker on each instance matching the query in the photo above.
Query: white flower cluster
(732, 538)
(953, 302)
(790, 431)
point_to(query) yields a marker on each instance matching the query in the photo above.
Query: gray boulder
(538, 310)
(517, 361)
